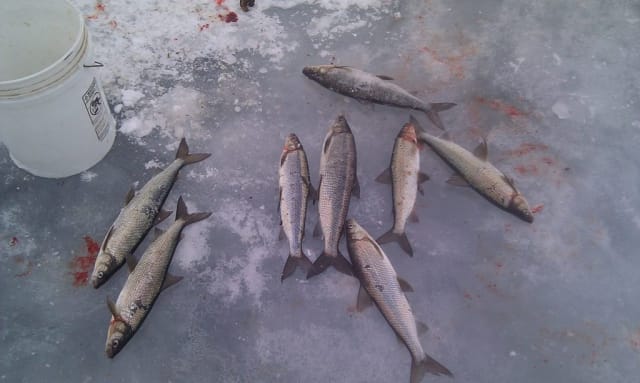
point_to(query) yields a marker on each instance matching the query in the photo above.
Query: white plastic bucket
(54, 117)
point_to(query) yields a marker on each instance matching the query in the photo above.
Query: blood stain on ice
(81, 265)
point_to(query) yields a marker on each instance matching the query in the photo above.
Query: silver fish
(147, 278)
(405, 178)
(473, 169)
(295, 192)
(379, 281)
(338, 181)
(140, 213)
(379, 89)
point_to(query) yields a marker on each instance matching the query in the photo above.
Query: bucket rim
(56, 66)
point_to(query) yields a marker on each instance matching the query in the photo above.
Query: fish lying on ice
(295, 192)
(147, 278)
(140, 213)
(338, 181)
(378, 89)
(405, 178)
(379, 281)
(474, 169)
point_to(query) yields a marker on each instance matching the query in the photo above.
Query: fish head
(408, 133)
(291, 143)
(118, 335)
(102, 268)
(317, 72)
(520, 207)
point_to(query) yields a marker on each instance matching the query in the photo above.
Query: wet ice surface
(505, 301)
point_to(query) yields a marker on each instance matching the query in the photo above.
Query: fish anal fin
(404, 285)
(364, 299)
(384, 77)
(421, 327)
(457, 180)
(413, 216)
(355, 190)
(385, 177)
(131, 262)
(130, 194)
(170, 280)
(162, 215)
(481, 151)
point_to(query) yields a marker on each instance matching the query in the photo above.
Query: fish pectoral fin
(364, 299)
(106, 238)
(162, 215)
(112, 308)
(481, 151)
(355, 190)
(385, 177)
(170, 280)
(422, 327)
(422, 177)
(404, 285)
(130, 194)
(510, 181)
(457, 180)
(384, 77)
(279, 201)
(131, 262)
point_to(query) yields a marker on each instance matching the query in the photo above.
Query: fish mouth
(308, 71)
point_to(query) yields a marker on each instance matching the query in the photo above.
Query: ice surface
(554, 86)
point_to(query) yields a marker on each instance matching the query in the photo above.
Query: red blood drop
(231, 17)
(219, 2)
(13, 241)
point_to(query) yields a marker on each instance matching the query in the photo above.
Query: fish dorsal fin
(404, 285)
(384, 77)
(131, 262)
(106, 239)
(481, 151)
(364, 299)
(130, 194)
(457, 180)
(422, 177)
(112, 308)
(384, 177)
(170, 280)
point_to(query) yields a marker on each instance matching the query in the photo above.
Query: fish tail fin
(325, 260)
(293, 262)
(183, 214)
(428, 364)
(400, 238)
(183, 154)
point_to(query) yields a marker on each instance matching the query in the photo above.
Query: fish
(369, 87)
(338, 181)
(147, 278)
(295, 192)
(380, 283)
(405, 178)
(141, 211)
(475, 170)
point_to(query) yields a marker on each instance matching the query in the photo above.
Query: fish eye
(115, 343)
(100, 274)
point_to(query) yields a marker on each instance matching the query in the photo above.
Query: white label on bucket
(96, 107)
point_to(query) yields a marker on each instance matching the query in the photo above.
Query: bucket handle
(96, 64)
